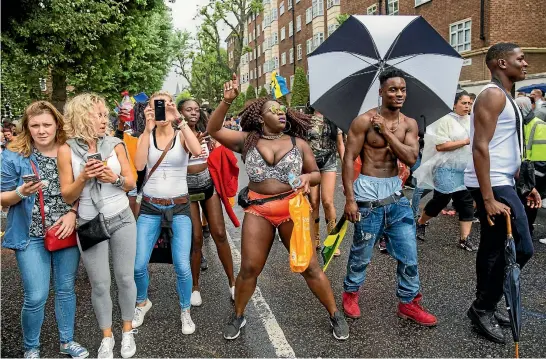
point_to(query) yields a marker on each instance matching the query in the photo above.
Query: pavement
(284, 319)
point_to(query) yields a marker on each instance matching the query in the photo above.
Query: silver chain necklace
(272, 137)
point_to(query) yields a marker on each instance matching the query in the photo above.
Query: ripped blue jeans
(397, 223)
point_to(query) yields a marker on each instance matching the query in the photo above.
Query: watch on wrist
(118, 182)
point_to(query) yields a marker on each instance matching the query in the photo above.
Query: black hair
(460, 94)
(389, 74)
(201, 125)
(499, 51)
(532, 100)
(472, 96)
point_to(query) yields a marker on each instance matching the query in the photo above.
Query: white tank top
(169, 179)
(114, 198)
(504, 149)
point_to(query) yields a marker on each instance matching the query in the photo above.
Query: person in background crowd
(540, 105)
(8, 135)
(326, 141)
(375, 201)
(101, 187)
(490, 177)
(203, 197)
(445, 156)
(529, 120)
(268, 128)
(42, 134)
(165, 204)
(472, 99)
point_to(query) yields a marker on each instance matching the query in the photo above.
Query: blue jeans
(397, 223)
(148, 229)
(35, 264)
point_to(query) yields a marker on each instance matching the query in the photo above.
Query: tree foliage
(341, 18)
(300, 90)
(104, 46)
(250, 93)
(263, 92)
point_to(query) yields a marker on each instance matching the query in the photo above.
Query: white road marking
(274, 331)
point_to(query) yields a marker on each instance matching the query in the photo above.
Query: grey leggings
(122, 228)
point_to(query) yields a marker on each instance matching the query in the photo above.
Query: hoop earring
(289, 127)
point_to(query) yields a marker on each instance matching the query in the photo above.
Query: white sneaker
(542, 240)
(128, 345)
(140, 312)
(106, 349)
(232, 290)
(195, 299)
(188, 327)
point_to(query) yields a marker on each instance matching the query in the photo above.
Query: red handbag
(51, 242)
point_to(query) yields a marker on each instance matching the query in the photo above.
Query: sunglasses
(277, 110)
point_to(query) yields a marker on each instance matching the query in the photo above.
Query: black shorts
(327, 162)
(462, 201)
(200, 186)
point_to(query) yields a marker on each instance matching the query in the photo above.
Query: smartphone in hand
(159, 110)
(96, 156)
(30, 178)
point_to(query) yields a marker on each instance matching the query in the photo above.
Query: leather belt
(166, 201)
(393, 198)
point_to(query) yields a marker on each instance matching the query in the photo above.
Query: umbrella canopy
(512, 293)
(344, 70)
(528, 89)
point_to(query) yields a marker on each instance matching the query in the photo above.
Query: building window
(393, 7)
(419, 2)
(276, 63)
(332, 28)
(281, 8)
(291, 56)
(297, 1)
(290, 29)
(308, 15)
(259, 50)
(459, 35)
(330, 3)
(260, 71)
(283, 59)
(283, 33)
(318, 39)
(298, 23)
(263, 24)
(275, 39)
(308, 46)
(318, 8)
(274, 14)
(291, 82)
(258, 30)
(289, 4)
(372, 10)
(299, 52)
(265, 2)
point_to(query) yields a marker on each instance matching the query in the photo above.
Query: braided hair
(250, 122)
(201, 125)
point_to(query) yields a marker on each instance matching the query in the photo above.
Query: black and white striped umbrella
(344, 70)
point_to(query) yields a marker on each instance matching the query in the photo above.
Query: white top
(114, 198)
(504, 149)
(202, 158)
(169, 179)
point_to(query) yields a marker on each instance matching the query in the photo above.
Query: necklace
(272, 137)
(397, 124)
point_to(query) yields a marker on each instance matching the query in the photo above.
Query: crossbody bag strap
(40, 196)
(163, 154)
(523, 148)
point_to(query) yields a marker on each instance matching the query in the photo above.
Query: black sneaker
(420, 231)
(467, 244)
(383, 245)
(206, 232)
(339, 326)
(233, 329)
(204, 262)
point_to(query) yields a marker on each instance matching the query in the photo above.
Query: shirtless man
(375, 202)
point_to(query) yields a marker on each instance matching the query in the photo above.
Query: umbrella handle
(508, 223)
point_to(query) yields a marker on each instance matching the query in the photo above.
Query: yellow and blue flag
(278, 86)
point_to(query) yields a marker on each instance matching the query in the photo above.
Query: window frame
(456, 33)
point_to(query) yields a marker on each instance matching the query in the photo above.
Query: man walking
(490, 178)
(375, 202)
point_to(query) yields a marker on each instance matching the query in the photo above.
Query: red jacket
(225, 176)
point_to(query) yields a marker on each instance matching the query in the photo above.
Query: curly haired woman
(273, 147)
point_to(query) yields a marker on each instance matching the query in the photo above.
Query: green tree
(263, 92)
(104, 46)
(183, 96)
(341, 18)
(250, 93)
(300, 90)
(237, 105)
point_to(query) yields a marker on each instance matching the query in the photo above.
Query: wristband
(73, 211)
(227, 102)
(22, 196)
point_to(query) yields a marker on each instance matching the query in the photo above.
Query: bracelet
(226, 102)
(22, 196)
(182, 124)
(73, 211)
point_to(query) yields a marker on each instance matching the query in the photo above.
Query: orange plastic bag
(403, 172)
(301, 246)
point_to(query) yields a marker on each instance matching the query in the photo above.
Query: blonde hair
(77, 113)
(161, 93)
(23, 142)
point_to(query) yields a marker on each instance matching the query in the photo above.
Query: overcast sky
(183, 13)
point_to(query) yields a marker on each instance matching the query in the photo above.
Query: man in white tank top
(496, 153)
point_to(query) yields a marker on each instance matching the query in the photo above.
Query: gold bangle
(226, 102)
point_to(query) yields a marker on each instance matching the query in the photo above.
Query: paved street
(284, 319)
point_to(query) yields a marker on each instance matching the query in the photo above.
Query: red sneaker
(414, 311)
(350, 304)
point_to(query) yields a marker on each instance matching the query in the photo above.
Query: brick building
(287, 31)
